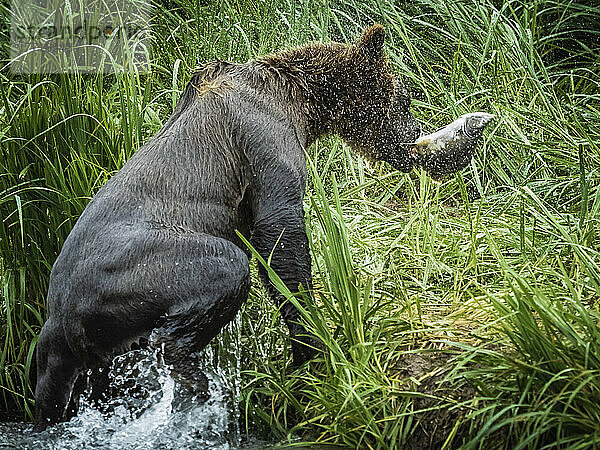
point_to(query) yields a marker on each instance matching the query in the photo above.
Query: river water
(151, 411)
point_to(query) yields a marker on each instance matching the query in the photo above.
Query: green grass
(487, 284)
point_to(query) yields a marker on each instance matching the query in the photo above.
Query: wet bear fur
(155, 254)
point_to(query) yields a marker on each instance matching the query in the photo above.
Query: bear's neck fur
(323, 88)
(326, 85)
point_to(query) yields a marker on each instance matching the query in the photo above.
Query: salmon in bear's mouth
(450, 148)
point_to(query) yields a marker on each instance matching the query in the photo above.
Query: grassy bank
(458, 314)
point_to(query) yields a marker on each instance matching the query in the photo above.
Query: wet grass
(471, 305)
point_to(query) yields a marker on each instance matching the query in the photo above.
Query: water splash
(150, 410)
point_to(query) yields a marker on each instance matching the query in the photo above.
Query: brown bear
(155, 254)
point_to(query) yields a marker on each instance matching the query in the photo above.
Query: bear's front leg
(279, 233)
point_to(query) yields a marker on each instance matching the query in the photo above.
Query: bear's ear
(372, 40)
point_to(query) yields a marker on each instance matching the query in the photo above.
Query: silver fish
(450, 149)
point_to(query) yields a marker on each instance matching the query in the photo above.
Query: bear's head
(349, 90)
(377, 121)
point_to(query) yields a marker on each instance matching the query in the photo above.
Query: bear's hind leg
(215, 298)
(100, 385)
(57, 370)
(76, 393)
